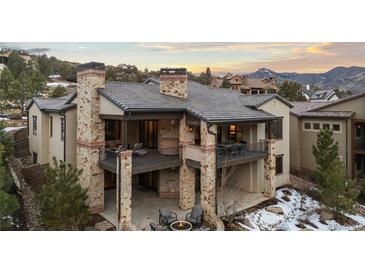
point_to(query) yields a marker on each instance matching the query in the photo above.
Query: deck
(152, 161)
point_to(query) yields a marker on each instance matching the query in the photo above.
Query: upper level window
(50, 126)
(336, 127)
(307, 125)
(316, 126)
(326, 126)
(274, 129)
(358, 131)
(34, 125)
(232, 133)
(62, 129)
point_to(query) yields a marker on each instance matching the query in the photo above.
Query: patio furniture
(195, 216)
(220, 150)
(137, 149)
(167, 217)
(235, 149)
(157, 227)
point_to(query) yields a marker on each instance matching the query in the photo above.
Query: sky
(220, 57)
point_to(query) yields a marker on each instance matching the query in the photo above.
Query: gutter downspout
(216, 166)
(347, 148)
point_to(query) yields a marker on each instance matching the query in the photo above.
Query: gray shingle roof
(307, 110)
(215, 105)
(52, 104)
(322, 94)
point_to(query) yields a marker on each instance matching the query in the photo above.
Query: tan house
(253, 86)
(167, 143)
(345, 117)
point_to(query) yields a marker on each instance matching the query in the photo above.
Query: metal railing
(107, 154)
(241, 149)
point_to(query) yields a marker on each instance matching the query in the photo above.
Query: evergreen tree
(5, 141)
(291, 91)
(62, 200)
(8, 202)
(225, 83)
(334, 188)
(58, 92)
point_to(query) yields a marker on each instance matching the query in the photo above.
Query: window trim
(279, 125)
(312, 122)
(62, 125)
(34, 124)
(50, 126)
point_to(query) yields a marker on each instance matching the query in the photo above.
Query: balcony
(229, 154)
(151, 161)
(240, 153)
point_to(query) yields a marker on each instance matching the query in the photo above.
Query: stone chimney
(90, 132)
(244, 79)
(174, 82)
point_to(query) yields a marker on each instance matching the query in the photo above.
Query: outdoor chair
(220, 151)
(195, 216)
(235, 149)
(167, 217)
(137, 149)
(228, 149)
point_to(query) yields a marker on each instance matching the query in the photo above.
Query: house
(190, 135)
(345, 117)
(216, 82)
(324, 96)
(251, 86)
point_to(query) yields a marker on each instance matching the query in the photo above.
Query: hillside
(344, 78)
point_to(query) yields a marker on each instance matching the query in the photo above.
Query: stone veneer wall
(90, 136)
(187, 174)
(124, 194)
(270, 169)
(169, 183)
(208, 168)
(174, 85)
(168, 131)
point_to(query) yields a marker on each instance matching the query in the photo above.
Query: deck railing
(240, 149)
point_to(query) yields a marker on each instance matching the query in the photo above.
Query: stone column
(208, 168)
(270, 169)
(124, 190)
(90, 132)
(187, 174)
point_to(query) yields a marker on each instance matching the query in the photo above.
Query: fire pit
(181, 226)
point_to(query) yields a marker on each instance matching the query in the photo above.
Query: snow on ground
(8, 129)
(299, 209)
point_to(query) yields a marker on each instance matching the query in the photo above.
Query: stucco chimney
(90, 132)
(174, 82)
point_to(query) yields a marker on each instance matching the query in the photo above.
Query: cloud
(213, 46)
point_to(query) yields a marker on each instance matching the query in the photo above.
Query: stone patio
(145, 206)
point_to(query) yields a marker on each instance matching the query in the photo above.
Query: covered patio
(145, 207)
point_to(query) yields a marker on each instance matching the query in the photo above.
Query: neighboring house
(52, 129)
(324, 96)
(3, 62)
(253, 86)
(345, 117)
(190, 134)
(216, 82)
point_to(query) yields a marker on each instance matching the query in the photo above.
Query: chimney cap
(173, 71)
(91, 65)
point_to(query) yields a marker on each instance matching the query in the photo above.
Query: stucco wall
(108, 108)
(56, 145)
(39, 143)
(71, 126)
(356, 105)
(295, 143)
(282, 146)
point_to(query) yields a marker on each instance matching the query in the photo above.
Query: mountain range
(343, 78)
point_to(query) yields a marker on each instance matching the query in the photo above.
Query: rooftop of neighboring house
(250, 83)
(215, 105)
(323, 95)
(53, 104)
(310, 110)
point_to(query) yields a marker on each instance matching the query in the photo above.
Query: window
(62, 129)
(50, 126)
(274, 129)
(326, 126)
(35, 157)
(336, 127)
(148, 133)
(232, 133)
(358, 163)
(279, 164)
(34, 125)
(358, 131)
(316, 126)
(112, 130)
(307, 126)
